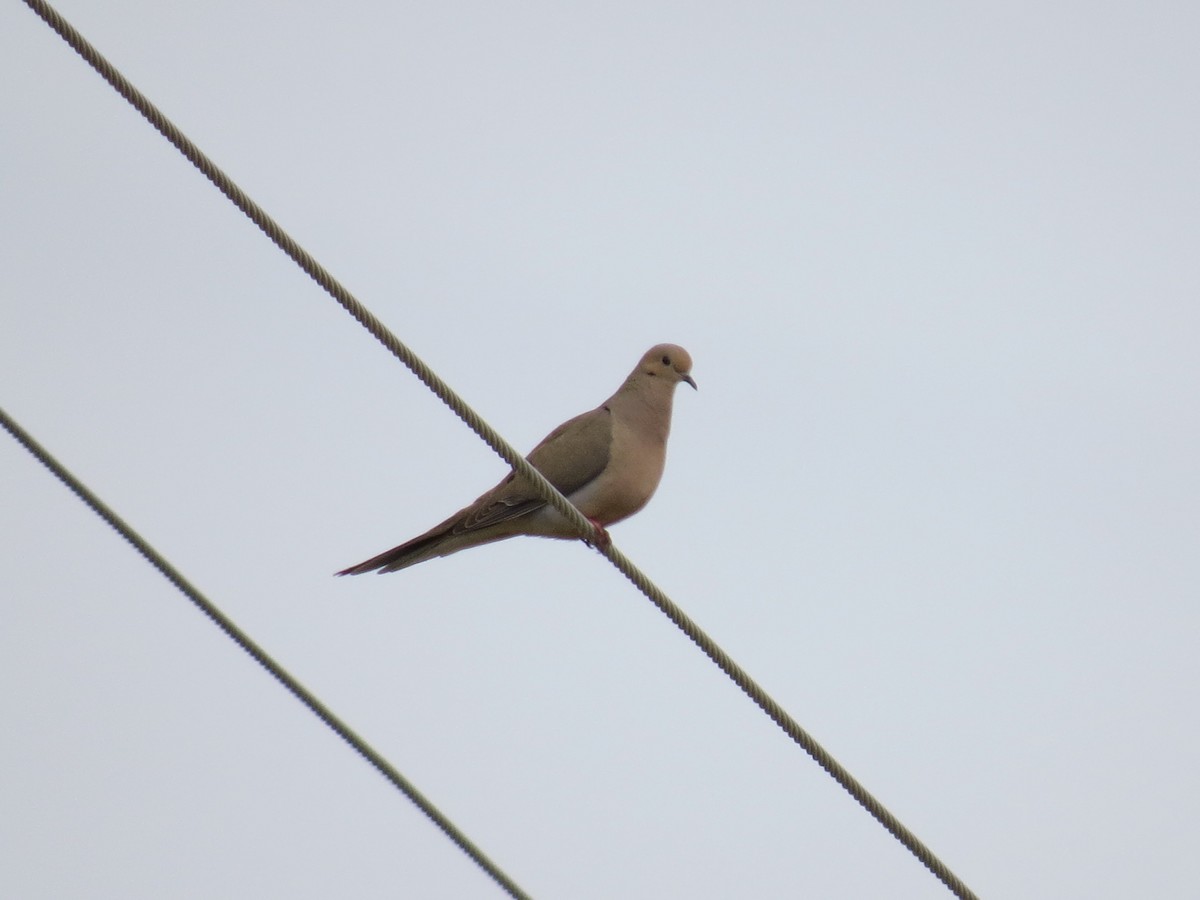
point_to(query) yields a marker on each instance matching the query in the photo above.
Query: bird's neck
(653, 404)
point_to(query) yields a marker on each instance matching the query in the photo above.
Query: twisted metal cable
(243, 640)
(502, 448)
(790, 726)
(305, 261)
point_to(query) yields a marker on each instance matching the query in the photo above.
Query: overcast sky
(938, 266)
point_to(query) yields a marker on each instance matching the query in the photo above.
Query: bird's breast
(634, 469)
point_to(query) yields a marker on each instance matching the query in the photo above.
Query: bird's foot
(601, 541)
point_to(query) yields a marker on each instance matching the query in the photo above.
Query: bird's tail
(407, 554)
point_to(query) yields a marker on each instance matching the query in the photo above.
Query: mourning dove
(607, 462)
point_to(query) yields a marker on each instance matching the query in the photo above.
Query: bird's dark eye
(666, 360)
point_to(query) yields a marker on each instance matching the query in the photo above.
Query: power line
(493, 439)
(243, 640)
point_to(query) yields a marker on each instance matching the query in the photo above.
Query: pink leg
(603, 541)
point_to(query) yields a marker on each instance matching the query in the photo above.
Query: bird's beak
(688, 379)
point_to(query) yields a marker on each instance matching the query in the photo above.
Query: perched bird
(607, 462)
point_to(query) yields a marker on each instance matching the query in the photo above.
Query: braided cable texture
(493, 439)
(277, 671)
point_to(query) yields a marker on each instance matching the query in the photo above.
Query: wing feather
(570, 456)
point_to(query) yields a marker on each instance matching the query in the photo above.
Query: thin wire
(493, 439)
(260, 655)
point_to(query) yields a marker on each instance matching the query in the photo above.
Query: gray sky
(937, 266)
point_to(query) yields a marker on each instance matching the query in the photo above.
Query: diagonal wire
(493, 439)
(260, 655)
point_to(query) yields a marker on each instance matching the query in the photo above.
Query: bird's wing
(570, 456)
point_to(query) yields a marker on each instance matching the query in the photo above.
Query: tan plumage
(607, 461)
